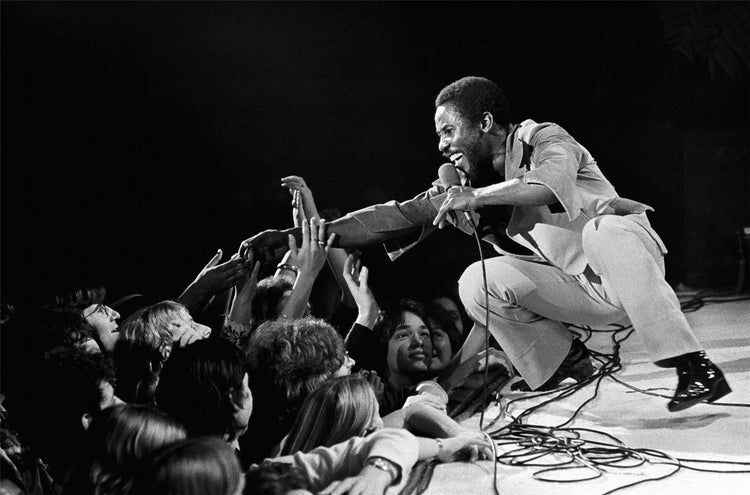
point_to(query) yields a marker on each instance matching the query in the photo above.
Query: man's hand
(459, 198)
(264, 244)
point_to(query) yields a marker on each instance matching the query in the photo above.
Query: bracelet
(440, 447)
(287, 266)
(384, 465)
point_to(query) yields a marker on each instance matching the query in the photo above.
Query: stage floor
(715, 432)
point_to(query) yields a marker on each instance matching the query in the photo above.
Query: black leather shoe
(576, 365)
(698, 380)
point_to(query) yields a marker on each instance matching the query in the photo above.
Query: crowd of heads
(101, 397)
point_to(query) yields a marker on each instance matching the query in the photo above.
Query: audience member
(88, 301)
(79, 384)
(117, 441)
(194, 466)
(204, 386)
(147, 338)
(287, 359)
(346, 407)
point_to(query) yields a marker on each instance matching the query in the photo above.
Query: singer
(593, 257)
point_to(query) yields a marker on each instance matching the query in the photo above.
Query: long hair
(341, 408)
(144, 344)
(201, 386)
(195, 466)
(120, 437)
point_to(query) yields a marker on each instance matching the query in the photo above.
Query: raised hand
(311, 256)
(213, 278)
(299, 189)
(355, 277)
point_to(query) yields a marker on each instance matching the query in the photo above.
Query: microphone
(449, 177)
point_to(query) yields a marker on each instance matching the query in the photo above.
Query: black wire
(537, 442)
(486, 345)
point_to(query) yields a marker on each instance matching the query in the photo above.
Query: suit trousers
(529, 301)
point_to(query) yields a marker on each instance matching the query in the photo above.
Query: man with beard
(592, 259)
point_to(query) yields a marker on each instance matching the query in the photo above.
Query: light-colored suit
(594, 258)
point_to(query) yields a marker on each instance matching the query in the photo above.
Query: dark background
(138, 138)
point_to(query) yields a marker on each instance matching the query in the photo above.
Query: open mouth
(455, 157)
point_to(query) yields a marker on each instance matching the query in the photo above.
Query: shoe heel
(722, 388)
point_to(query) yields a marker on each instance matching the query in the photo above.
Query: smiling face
(467, 146)
(409, 348)
(441, 348)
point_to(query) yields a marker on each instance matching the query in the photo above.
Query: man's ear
(487, 122)
(86, 420)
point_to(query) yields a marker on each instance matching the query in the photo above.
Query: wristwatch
(385, 465)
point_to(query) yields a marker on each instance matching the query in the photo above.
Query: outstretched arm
(375, 224)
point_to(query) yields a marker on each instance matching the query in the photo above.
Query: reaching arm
(375, 224)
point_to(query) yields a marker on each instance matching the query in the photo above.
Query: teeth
(456, 157)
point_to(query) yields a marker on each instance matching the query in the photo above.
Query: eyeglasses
(100, 308)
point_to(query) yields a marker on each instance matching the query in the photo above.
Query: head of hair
(443, 319)
(201, 386)
(144, 344)
(290, 358)
(70, 378)
(120, 437)
(150, 325)
(341, 408)
(392, 315)
(472, 96)
(194, 466)
(274, 478)
(78, 297)
(268, 295)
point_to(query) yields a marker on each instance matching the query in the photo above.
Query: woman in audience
(194, 466)
(446, 339)
(147, 338)
(117, 441)
(346, 407)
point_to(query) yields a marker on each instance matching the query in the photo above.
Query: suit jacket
(537, 154)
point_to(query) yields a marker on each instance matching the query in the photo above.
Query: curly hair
(201, 385)
(472, 97)
(294, 356)
(268, 295)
